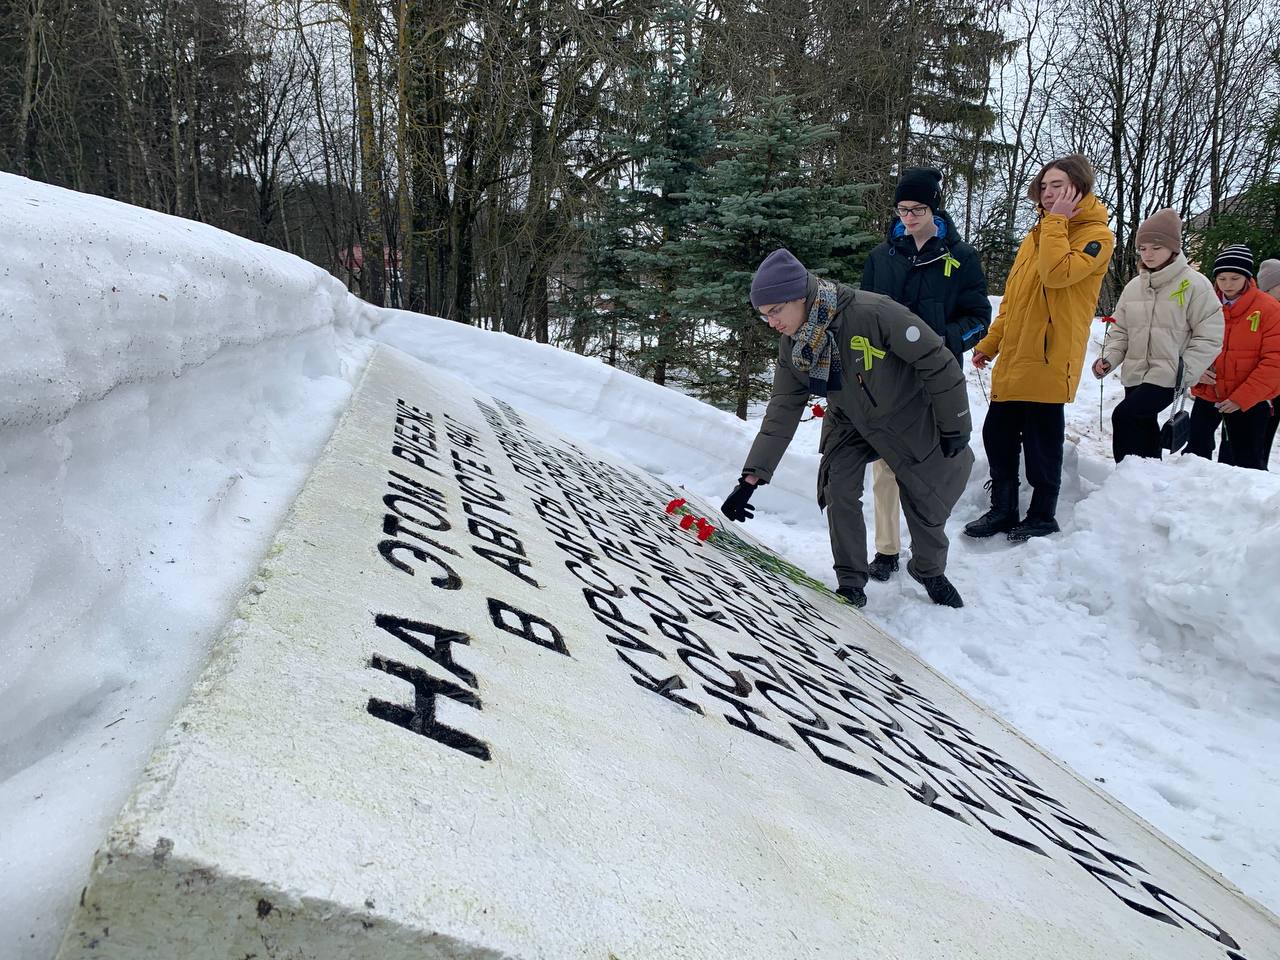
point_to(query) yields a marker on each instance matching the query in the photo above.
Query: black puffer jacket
(942, 283)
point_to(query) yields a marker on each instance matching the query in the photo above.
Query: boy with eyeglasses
(927, 267)
(894, 391)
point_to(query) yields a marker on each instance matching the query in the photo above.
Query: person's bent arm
(786, 406)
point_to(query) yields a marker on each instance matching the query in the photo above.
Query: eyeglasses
(911, 211)
(773, 312)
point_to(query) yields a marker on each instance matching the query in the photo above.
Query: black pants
(1245, 432)
(1036, 430)
(1135, 427)
(1271, 433)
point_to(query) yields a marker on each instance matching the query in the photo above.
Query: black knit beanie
(921, 185)
(1237, 258)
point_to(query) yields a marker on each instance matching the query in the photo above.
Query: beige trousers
(884, 488)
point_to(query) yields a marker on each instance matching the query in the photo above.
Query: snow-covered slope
(164, 390)
(153, 435)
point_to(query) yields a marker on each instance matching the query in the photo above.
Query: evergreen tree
(765, 193)
(629, 275)
(1252, 218)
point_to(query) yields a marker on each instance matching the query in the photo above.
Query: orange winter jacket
(1248, 367)
(1049, 301)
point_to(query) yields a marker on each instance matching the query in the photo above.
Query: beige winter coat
(1164, 315)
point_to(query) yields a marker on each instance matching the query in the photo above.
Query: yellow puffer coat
(1049, 300)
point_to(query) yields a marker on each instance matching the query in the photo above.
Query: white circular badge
(913, 333)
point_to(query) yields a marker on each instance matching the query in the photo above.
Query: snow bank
(95, 293)
(1190, 553)
(164, 390)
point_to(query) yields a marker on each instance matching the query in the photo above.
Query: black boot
(883, 566)
(1040, 520)
(1003, 515)
(940, 589)
(854, 595)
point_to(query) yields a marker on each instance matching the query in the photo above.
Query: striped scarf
(815, 350)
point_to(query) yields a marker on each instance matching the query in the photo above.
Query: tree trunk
(177, 204)
(129, 99)
(742, 376)
(407, 243)
(372, 273)
(431, 230)
(23, 129)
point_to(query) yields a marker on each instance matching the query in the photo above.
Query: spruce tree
(629, 274)
(1251, 218)
(766, 192)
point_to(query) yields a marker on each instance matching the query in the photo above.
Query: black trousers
(1035, 430)
(1244, 434)
(1271, 433)
(1135, 424)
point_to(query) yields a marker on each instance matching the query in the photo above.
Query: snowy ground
(164, 389)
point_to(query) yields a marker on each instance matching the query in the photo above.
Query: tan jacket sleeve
(1116, 335)
(1207, 323)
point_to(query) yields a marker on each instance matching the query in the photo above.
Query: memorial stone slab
(488, 700)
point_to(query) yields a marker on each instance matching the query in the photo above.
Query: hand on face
(1067, 203)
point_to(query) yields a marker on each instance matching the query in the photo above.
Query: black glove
(736, 506)
(952, 444)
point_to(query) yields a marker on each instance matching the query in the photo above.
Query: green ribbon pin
(869, 352)
(1255, 318)
(948, 265)
(1181, 293)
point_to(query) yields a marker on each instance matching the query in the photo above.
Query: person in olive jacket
(893, 390)
(924, 265)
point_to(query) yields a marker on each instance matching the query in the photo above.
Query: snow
(165, 388)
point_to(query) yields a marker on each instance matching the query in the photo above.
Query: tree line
(605, 174)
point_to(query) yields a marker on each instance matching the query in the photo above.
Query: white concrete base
(488, 700)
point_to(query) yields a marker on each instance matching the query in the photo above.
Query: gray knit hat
(1237, 258)
(1268, 275)
(781, 277)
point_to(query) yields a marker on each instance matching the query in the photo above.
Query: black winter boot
(1040, 520)
(1003, 515)
(854, 595)
(940, 589)
(883, 566)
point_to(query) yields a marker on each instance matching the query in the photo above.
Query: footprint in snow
(984, 659)
(1174, 796)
